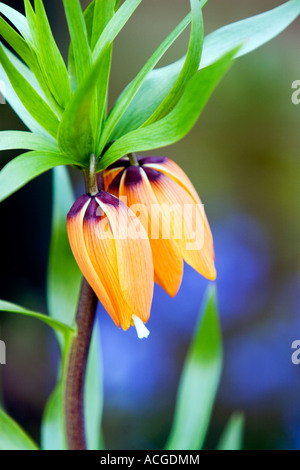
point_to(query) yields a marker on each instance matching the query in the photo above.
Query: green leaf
(93, 399)
(129, 93)
(78, 33)
(56, 325)
(51, 60)
(79, 126)
(25, 72)
(103, 50)
(26, 167)
(18, 44)
(33, 74)
(233, 434)
(31, 20)
(77, 130)
(253, 32)
(53, 436)
(18, 107)
(76, 136)
(88, 15)
(12, 437)
(103, 12)
(102, 91)
(64, 276)
(17, 19)
(199, 382)
(190, 67)
(179, 122)
(32, 101)
(10, 140)
(115, 25)
(35, 78)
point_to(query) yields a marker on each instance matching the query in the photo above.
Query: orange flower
(164, 199)
(113, 252)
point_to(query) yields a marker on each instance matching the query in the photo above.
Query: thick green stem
(132, 159)
(90, 177)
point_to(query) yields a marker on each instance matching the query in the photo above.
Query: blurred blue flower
(259, 372)
(243, 260)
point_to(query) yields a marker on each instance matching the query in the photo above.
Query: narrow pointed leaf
(52, 62)
(129, 93)
(32, 101)
(56, 325)
(10, 140)
(190, 67)
(103, 50)
(18, 44)
(115, 25)
(88, 16)
(78, 33)
(103, 12)
(199, 382)
(25, 72)
(179, 122)
(26, 167)
(253, 32)
(233, 434)
(12, 436)
(76, 135)
(102, 92)
(17, 19)
(31, 21)
(78, 131)
(18, 107)
(34, 77)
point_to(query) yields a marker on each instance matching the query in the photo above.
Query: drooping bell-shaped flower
(162, 196)
(113, 252)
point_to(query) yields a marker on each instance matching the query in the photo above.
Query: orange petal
(168, 264)
(79, 249)
(102, 253)
(170, 168)
(108, 178)
(133, 256)
(112, 172)
(192, 238)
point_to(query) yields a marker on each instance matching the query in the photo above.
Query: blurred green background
(243, 158)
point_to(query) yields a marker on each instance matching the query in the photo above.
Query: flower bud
(168, 206)
(113, 252)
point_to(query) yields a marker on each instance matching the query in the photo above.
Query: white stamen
(141, 330)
